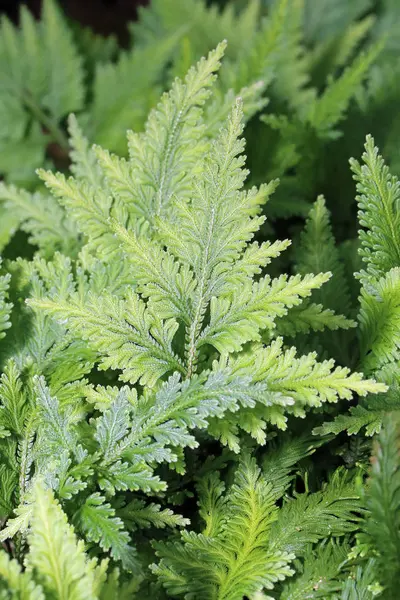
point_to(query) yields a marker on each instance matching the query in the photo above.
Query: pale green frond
(167, 285)
(378, 212)
(173, 140)
(13, 580)
(20, 158)
(19, 523)
(207, 25)
(259, 59)
(309, 382)
(291, 61)
(5, 307)
(233, 323)
(94, 47)
(56, 556)
(41, 218)
(351, 39)
(88, 206)
(218, 222)
(139, 515)
(253, 260)
(13, 401)
(379, 319)
(218, 108)
(122, 179)
(64, 90)
(113, 425)
(371, 411)
(125, 333)
(54, 425)
(329, 18)
(38, 88)
(84, 162)
(162, 422)
(9, 223)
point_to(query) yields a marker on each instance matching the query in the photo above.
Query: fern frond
(85, 204)
(84, 163)
(14, 407)
(383, 501)
(21, 584)
(167, 285)
(65, 92)
(329, 18)
(291, 69)
(362, 583)
(125, 333)
(97, 520)
(318, 574)
(259, 60)
(207, 26)
(56, 556)
(39, 85)
(317, 253)
(280, 461)
(327, 110)
(311, 317)
(123, 92)
(236, 561)
(54, 424)
(334, 511)
(166, 148)
(42, 219)
(309, 382)
(5, 307)
(371, 411)
(138, 514)
(380, 321)
(378, 198)
(234, 323)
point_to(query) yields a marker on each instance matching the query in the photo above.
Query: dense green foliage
(200, 372)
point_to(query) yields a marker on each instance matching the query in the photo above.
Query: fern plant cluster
(199, 388)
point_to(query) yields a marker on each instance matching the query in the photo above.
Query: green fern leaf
(5, 307)
(19, 583)
(55, 554)
(378, 197)
(96, 518)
